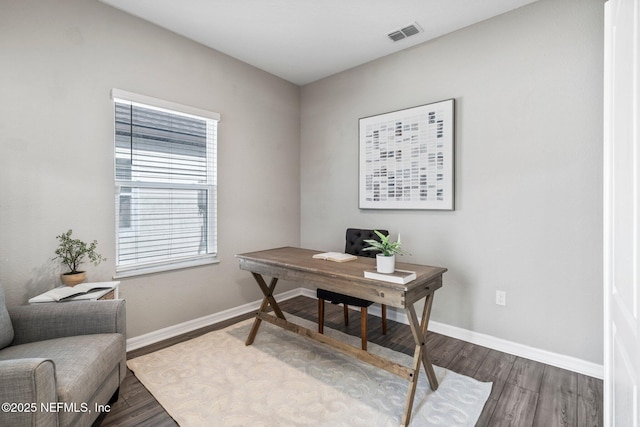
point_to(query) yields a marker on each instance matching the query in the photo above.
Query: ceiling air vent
(405, 32)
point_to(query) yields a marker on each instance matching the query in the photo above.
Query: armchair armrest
(26, 383)
(38, 322)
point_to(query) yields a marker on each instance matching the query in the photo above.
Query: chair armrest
(43, 321)
(25, 385)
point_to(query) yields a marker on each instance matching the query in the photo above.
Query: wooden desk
(348, 278)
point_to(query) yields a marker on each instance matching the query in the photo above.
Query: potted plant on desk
(72, 253)
(386, 259)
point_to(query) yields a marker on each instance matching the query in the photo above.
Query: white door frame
(621, 194)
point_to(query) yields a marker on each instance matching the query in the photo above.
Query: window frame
(137, 269)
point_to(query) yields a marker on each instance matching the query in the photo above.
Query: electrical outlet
(501, 298)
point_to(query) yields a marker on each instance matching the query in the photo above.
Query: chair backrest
(354, 241)
(6, 328)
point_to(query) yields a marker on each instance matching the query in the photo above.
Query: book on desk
(83, 291)
(399, 276)
(335, 256)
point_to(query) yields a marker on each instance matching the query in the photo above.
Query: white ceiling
(305, 40)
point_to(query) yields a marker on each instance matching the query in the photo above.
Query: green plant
(384, 246)
(72, 252)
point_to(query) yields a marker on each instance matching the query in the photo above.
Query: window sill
(141, 271)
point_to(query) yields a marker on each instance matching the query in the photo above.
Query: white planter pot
(385, 264)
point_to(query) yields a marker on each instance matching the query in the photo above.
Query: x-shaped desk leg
(266, 301)
(420, 357)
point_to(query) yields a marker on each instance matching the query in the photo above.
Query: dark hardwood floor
(525, 393)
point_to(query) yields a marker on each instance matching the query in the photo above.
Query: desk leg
(266, 301)
(420, 336)
(420, 357)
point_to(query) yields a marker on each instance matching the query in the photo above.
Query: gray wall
(528, 90)
(60, 60)
(528, 218)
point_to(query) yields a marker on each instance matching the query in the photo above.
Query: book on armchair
(81, 291)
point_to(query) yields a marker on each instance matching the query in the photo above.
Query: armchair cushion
(81, 362)
(44, 321)
(6, 328)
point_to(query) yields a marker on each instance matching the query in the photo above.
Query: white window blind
(165, 176)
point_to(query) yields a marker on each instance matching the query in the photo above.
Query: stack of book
(399, 276)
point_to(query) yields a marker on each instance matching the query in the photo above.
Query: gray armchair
(60, 361)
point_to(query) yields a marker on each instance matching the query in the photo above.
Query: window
(165, 180)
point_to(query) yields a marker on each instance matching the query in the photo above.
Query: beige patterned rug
(284, 379)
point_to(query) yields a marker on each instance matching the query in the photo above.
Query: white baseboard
(538, 355)
(201, 322)
(547, 357)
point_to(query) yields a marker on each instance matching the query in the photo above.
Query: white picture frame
(407, 158)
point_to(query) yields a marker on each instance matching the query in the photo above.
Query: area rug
(284, 379)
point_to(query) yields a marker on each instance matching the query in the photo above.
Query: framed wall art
(407, 158)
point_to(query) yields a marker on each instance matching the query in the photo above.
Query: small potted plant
(386, 259)
(72, 253)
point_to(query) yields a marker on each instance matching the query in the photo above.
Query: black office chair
(354, 245)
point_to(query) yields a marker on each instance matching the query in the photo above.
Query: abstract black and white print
(406, 158)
